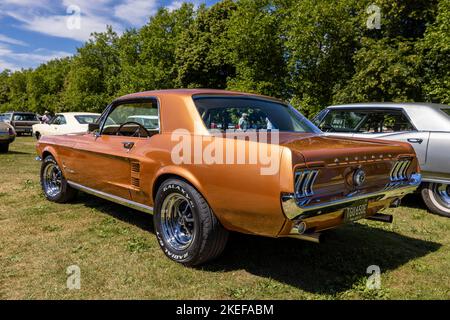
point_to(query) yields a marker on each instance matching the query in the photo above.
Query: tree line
(312, 53)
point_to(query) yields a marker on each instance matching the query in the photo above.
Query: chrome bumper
(294, 208)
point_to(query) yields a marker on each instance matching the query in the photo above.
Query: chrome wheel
(177, 221)
(52, 180)
(442, 192)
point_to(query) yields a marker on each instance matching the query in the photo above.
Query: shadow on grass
(17, 152)
(333, 266)
(137, 218)
(414, 201)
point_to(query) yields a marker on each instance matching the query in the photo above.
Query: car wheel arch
(163, 176)
(51, 152)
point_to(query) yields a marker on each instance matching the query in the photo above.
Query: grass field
(119, 257)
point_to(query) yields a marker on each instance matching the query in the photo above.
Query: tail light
(399, 171)
(304, 183)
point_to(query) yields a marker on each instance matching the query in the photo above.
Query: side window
(58, 120)
(386, 122)
(138, 119)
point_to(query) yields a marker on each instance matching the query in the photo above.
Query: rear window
(243, 113)
(447, 111)
(86, 119)
(24, 117)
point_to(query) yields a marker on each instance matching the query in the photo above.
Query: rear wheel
(53, 183)
(4, 147)
(437, 198)
(187, 229)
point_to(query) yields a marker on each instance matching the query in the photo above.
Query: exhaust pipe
(381, 217)
(396, 203)
(309, 236)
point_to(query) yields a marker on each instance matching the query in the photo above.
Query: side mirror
(93, 127)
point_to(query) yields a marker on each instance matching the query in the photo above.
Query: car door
(106, 161)
(56, 127)
(437, 163)
(393, 124)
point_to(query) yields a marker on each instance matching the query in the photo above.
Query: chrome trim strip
(436, 180)
(293, 208)
(113, 198)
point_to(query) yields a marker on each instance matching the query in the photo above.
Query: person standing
(46, 117)
(243, 122)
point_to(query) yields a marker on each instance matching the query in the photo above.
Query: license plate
(357, 211)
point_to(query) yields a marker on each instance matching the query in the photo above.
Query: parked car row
(425, 126)
(349, 163)
(321, 183)
(22, 122)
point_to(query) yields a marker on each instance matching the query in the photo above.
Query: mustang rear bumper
(320, 216)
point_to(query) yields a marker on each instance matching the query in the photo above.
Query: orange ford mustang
(206, 162)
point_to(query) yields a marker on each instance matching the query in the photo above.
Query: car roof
(195, 92)
(398, 105)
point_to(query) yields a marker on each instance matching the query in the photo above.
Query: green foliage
(311, 53)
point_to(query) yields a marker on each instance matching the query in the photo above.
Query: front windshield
(244, 114)
(447, 111)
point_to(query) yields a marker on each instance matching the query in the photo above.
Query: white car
(425, 126)
(149, 122)
(64, 123)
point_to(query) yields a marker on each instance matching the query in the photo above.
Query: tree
(256, 49)
(202, 56)
(320, 38)
(435, 57)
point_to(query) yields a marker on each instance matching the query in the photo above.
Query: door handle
(128, 145)
(415, 140)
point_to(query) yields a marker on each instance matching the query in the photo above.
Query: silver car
(425, 126)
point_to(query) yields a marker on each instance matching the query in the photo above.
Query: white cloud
(6, 39)
(57, 26)
(136, 12)
(17, 60)
(175, 5)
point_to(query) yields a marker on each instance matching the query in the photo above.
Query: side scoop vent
(135, 167)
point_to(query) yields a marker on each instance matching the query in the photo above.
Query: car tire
(188, 232)
(4, 147)
(437, 198)
(53, 182)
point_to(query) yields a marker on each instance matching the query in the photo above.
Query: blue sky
(35, 31)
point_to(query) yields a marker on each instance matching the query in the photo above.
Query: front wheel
(187, 229)
(53, 183)
(437, 198)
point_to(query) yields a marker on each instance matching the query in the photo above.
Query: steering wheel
(137, 132)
